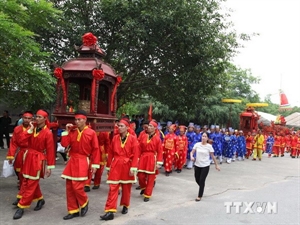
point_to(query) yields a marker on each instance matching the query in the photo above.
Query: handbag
(8, 169)
(60, 148)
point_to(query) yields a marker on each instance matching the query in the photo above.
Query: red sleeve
(159, 151)
(50, 150)
(95, 154)
(135, 152)
(13, 146)
(111, 152)
(65, 139)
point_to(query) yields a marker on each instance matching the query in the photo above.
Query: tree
(160, 47)
(24, 79)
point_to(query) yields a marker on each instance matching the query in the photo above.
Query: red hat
(182, 128)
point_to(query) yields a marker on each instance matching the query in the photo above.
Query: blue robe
(217, 143)
(241, 151)
(270, 143)
(191, 141)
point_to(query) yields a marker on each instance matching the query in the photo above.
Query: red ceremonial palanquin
(39, 151)
(181, 151)
(122, 158)
(150, 156)
(83, 152)
(277, 144)
(169, 147)
(17, 147)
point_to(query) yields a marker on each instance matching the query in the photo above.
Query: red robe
(151, 153)
(121, 158)
(150, 156)
(249, 142)
(104, 145)
(40, 148)
(181, 151)
(169, 147)
(39, 151)
(84, 148)
(15, 145)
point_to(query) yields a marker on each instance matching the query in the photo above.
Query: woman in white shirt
(203, 151)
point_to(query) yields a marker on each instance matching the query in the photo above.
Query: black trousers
(200, 177)
(6, 133)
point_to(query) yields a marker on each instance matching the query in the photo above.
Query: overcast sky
(274, 55)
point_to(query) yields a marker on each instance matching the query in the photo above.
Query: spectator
(5, 121)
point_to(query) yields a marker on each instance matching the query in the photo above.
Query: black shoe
(124, 210)
(96, 187)
(18, 214)
(39, 205)
(16, 202)
(142, 192)
(138, 188)
(167, 174)
(146, 199)
(71, 216)
(178, 171)
(107, 216)
(87, 189)
(282, 155)
(84, 210)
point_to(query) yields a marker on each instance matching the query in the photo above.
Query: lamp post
(230, 101)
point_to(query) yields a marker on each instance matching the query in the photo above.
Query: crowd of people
(133, 153)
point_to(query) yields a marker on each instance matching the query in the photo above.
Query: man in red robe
(40, 151)
(294, 141)
(181, 149)
(150, 159)
(17, 148)
(84, 149)
(249, 144)
(277, 144)
(169, 146)
(104, 145)
(122, 166)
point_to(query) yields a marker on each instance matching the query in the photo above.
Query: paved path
(270, 180)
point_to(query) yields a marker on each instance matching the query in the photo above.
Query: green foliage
(24, 80)
(160, 47)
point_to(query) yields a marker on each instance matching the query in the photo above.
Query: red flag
(150, 112)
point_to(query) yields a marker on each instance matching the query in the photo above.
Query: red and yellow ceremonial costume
(16, 151)
(84, 148)
(294, 141)
(288, 142)
(104, 145)
(169, 147)
(150, 157)
(282, 145)
(249, 145)
(122, 158)
(40, 151)
(181, 151)
(298, 147)
(258, 146)
(277, 144)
